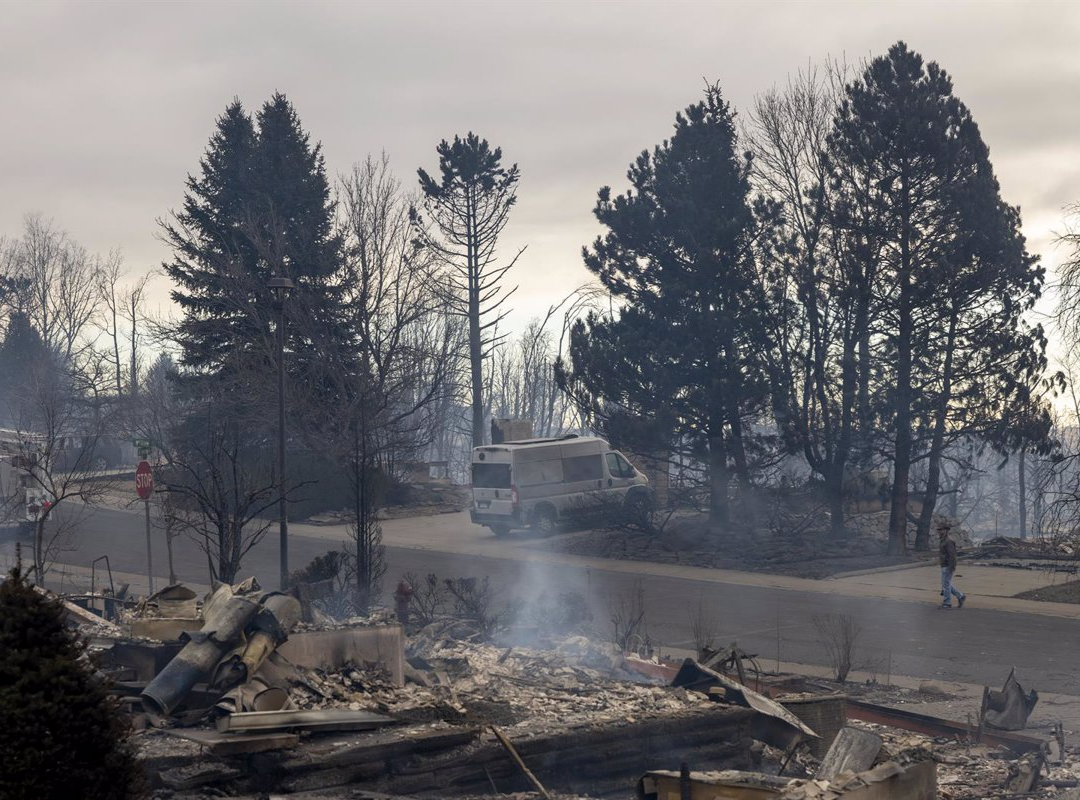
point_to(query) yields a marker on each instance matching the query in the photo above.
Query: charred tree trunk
(169, 551)
(730, 398)
(364, 514)
(865, 414)
(1021, 488)
(718, 472)
(476, 347)
(133, 388)
(902, 415)
(835, 484)
(937, 442)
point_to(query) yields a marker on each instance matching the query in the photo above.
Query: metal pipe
(225, 617)
(269, 630)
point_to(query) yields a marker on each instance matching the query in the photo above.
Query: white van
(539, 483)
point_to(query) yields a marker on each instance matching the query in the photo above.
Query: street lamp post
(280, 287)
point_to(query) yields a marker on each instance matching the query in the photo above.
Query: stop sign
(144, 480)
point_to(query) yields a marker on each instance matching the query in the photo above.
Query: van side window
(535, 473)
(618, 466)
(583, 468)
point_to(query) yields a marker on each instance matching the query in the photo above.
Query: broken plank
(376, 746)
(521, 764)
(327, 719)
(230, 744)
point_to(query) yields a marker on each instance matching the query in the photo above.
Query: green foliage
(23, 355)
(61, 734)
(260, 207)
(320, 568)
(685, 348)
(918, 195)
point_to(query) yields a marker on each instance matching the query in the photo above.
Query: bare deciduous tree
(57, 438)
(397, 312)
(627, 614)
(121, 305)
(839, 635)
(58, 285)
(215, 462)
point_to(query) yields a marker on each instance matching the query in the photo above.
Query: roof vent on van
(568, 436)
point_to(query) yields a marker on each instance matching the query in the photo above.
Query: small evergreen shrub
(61, 733)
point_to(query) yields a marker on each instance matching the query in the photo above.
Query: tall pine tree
(679, 254)
(469, 207)
(260, 207)
(953, 275)
(212, 246)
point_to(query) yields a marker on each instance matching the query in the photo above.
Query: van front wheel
(500, 530)
(545, 520)
(639, 511)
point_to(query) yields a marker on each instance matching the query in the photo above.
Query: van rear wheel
(545, 520)
(500, 530)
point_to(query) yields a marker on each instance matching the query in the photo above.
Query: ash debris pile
(236, 695)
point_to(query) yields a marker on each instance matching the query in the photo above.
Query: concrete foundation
(381, 644)
(164, 629)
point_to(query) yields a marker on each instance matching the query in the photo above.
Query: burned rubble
(237, 696)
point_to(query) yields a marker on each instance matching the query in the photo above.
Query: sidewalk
(988, 588)
(974, 580)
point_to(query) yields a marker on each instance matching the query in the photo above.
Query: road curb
(855, 573)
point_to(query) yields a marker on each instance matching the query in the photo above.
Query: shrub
(61, 733)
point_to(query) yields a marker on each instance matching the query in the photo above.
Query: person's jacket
(948, 554)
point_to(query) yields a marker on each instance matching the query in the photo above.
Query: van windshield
(491, 476)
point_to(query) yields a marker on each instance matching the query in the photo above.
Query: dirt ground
(411, 500)
(689, 540)
(1059, 593)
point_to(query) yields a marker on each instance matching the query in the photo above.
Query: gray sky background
(106, 107)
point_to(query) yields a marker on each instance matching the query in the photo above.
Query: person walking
(948, 570)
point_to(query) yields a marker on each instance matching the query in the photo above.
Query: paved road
(975, 645)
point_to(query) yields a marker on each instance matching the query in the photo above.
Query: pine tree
(954, 278)
(61, 734)
(23, 355)
(470, 205)
(212, 244)
(260, 207)
(679, 253)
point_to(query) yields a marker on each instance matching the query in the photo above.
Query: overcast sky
(106, 107)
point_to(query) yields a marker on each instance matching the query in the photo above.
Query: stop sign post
(144, 485)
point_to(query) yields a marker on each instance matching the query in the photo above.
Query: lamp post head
(280, 286)
(280, 283)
